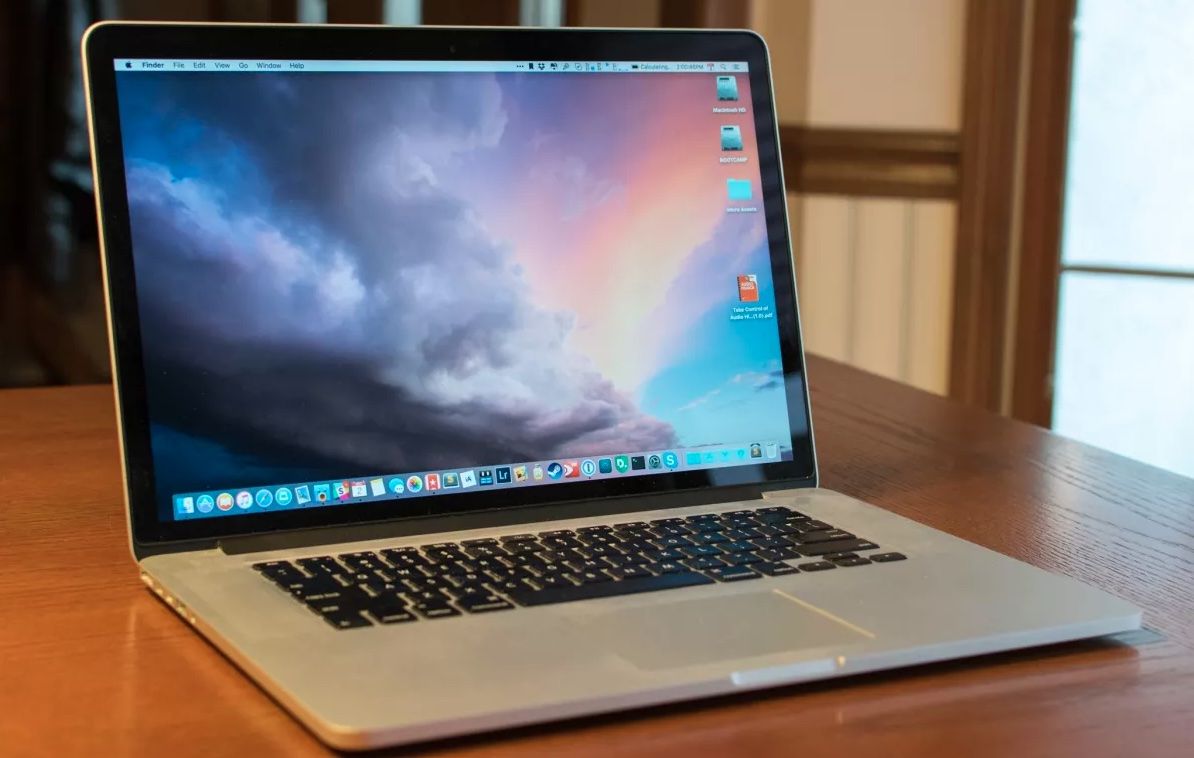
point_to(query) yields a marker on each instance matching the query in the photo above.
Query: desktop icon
(520, 474)
(302, 494)
(283, 496)
(605, 465)
(738, 189)
(725, 454)
(692, 459)
(537, 472)
(670, 459)
(727, 88)
(554, 470)
(184, 505)
(622, 463)
(741, 453)
(414, 484)
(451, 480)
(205, 503)
(224, 501)
(638, 462)
(571, 469)
(731, 138)
(748, 288)
(485, 477)
(772, 450)
(468, 479)
(396, 486)
(244, 500)
(654, 462)
(377, 487)
(756, 450)
(432, 482)
(502, 475)
(265, 498)
(709, 456)
(588, 467)
(342, 490)
(323, 492)
(360, 489)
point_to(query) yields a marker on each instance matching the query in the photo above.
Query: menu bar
(253, 65)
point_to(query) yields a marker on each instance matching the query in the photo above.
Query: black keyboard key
(782, 554)
(667, 567)
(773, 509)
(831, 535)
(741, 546)
(703, 563)
(852, 562)
(628, 572)
(597, 551)
(555, 580)
(775, 569)
(516, 538)
(278, 570)
(838, 546)
(587, 565)
(709, 538)
(483, 602)
(403, 557)
(666, 543)
(839, 556)
(817, 566)
(589, 577)
(324, 564)
(363, 561)
(887, 557)
(697, 551)
(733, 573)
(663, 555)
(434, 609)
(741, 534)
(741, 559)
(609, 589)
(350, 619)
(481, 542)
(316, 587)
(389, 610)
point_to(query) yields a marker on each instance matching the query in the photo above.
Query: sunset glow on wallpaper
(341, 273)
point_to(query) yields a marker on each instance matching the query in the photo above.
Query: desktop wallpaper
(341, 274)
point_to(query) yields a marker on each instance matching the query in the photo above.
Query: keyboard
(446, 579)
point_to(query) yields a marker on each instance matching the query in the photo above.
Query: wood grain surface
(91, 663)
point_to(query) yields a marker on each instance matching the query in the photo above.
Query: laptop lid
(364, 274)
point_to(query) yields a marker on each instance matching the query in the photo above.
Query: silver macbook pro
(461, 385)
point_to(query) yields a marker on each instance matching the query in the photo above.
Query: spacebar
(608, 589)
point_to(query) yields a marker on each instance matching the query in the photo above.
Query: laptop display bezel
(107, 42)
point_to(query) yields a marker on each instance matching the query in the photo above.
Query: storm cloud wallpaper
(342, 274)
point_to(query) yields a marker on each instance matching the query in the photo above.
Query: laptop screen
(371, 281)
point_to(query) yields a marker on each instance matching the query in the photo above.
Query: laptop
(460, 381)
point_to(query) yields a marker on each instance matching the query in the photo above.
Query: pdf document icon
(748, 288)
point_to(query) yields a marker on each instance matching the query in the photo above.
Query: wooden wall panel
(878, 287)
(876, 284)
(930, 300)
(824, 275)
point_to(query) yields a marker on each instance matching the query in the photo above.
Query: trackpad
(706, 630)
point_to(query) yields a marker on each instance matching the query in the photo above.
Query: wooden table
(91, 663)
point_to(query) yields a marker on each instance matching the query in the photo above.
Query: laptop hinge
(332, 535)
